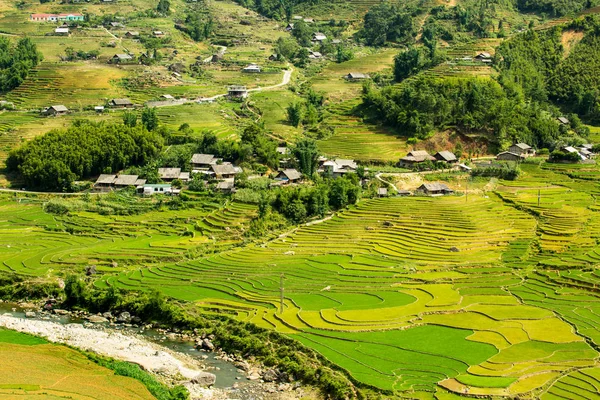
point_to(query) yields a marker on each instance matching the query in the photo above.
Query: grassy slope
(31, 368)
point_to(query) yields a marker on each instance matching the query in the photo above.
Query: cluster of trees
(534, 65)
(75, 55)
(290, 49)
(55, 160)
(16, 61)
(555, 8)
(277, 9)
(423, 104)
(309, 112)
(199, 24)
(416, 59)
(297, 204)
(388, 22)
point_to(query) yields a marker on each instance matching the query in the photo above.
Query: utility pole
(467, 191)
(281, 277)
(539, 196)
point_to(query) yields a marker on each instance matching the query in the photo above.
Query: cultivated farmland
(412, 295)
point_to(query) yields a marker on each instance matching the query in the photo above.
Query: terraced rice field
(431, 298)
(34, 368)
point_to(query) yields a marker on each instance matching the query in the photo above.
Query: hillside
(237, 170)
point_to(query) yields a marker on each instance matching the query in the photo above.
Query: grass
(31, 369)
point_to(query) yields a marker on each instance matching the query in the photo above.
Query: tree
(409, 62)
(343, 54)
(307, 153)
(286, 47)
(149, 118)
(295, 114)
(130, 119)
(163, 6)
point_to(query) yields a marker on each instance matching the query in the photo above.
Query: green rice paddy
(490, 295)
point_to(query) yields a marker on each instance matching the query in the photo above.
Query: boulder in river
(29, 314)
(124, 317)
(97, 319)
(204, 379)
(207, 345)
(270, 375)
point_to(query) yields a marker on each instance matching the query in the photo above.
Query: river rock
(60, 312)
(124, 317)
(204, 379)
(270, 375)
(97, 319)
(107, 315)
(29, 314)
(207, 345)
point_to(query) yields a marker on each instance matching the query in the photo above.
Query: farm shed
(319, 37)
(288, 175)
(435, 189)
(416, 157)
(509, 156)
(120, 58)
(132, 34)
(252, 68)
(356, 76)
(121, 103)
(61, 32)
(446, 156)
(382, 192)
(56, 110)
(522, 149)
(563, 120)
(237, 92)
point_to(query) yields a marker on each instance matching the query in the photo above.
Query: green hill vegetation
(489, 292)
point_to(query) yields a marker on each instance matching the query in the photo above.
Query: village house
(121, 103)
(158, 33)
(252, 68)
(571, 149)
(56, 110)
(203, 162)
(150, 189)
(338, 167)
(225, 170)
(289, 27)
(563, 120)
(510, 156)
(123, 181)
(170, 174)
(446, 156)
(120, 59)
(314, 55)
(484, 57)
(415, 157)
(319, 37)
(434, 189)
(104, 182)
(116, 25)
(289, 175)
(382, 192)
(216, 57)
(99, 109)
(356, 76)
(132, 34)
(237, 92)
(56, 17)
(522, 149)
(226, 186)
(61, 32)
(273, 57)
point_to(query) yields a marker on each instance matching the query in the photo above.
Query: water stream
(227, 374)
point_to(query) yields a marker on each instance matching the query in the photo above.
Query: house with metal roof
(435, 189)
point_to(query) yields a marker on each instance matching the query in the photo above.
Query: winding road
(287, 76)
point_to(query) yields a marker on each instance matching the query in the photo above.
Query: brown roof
(291, 174)
(435, 187)
(204, 159)
(126, 180)
(445, 155)
(169, 173)
(106, 179)
(418, 156)
(223, 169)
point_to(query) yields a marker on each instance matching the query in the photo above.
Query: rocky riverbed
(189, 359)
